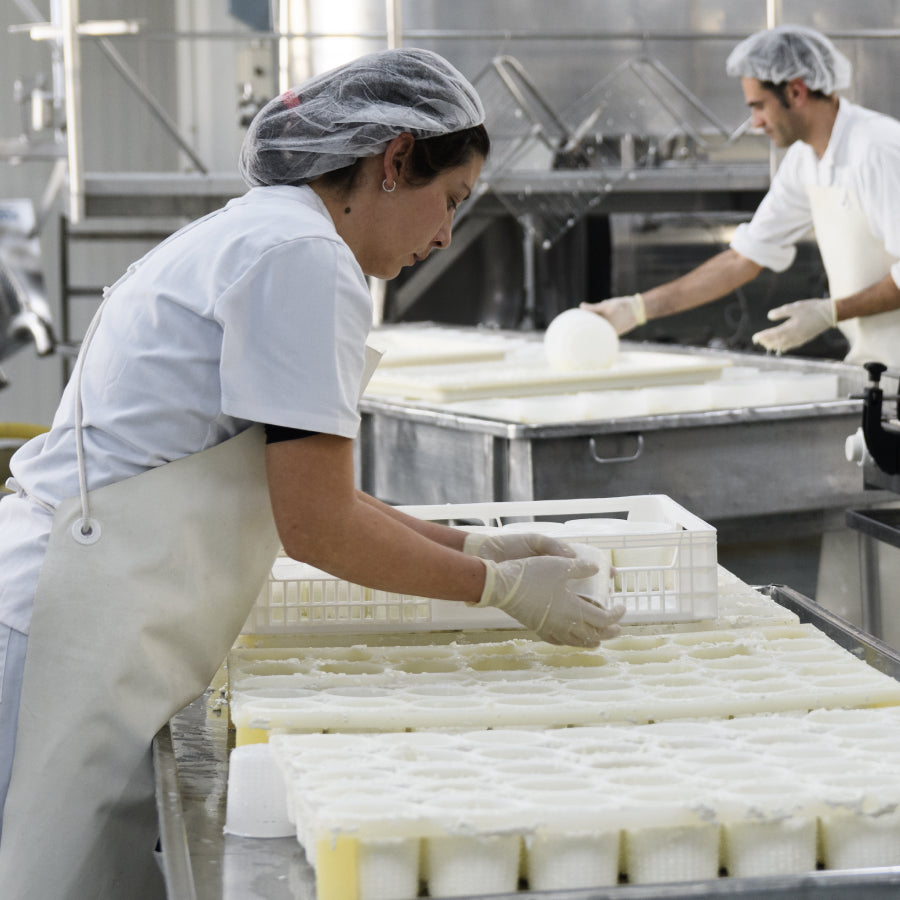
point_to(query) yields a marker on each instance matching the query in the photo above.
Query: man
(840, 176)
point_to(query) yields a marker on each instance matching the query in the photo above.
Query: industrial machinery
(25, 316)
(613, 139)
(876, 448)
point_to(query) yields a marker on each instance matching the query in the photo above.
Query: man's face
(782, 125)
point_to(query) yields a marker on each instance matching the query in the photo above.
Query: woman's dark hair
(429, 157)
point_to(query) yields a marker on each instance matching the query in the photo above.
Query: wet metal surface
(226, 867)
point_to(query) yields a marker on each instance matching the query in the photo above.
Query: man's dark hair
(780, 91)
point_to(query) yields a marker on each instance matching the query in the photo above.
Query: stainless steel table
(202, 863)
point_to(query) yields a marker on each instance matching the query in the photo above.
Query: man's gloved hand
(538, 592)
(806, 319)
(623, 313)
(500, 547)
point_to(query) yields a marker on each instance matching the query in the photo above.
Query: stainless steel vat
(718, 464)
(772, 480)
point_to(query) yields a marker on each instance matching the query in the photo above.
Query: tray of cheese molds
(710, 801)
(661, 562)
(753, 756)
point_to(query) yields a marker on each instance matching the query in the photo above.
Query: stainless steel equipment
(878, 528)
(640, 89)
(719, 464)
(201, 862)
(881, 431)
(24, 312)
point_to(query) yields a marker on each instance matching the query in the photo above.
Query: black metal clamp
(882, 438)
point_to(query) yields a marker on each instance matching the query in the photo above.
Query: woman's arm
(434, 531)
(323, 520)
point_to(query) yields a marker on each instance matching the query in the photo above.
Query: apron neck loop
(85, 530)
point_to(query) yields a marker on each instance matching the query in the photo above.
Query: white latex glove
(806, 319)
(538, 592)
(500, 547)
(623, 313)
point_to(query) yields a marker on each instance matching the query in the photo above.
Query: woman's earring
(386, 189)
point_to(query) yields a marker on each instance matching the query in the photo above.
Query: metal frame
(68, 31)
(173, 839)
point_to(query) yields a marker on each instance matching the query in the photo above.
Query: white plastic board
(531, 374)
(433, 346)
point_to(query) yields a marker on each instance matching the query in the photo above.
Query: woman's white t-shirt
(257, 312)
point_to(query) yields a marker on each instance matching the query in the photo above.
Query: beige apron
(854, 259)
(134, 613)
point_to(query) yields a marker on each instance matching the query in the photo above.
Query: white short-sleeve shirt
(863, 155)
(256, 313)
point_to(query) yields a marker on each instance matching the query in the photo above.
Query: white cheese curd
(578, 340)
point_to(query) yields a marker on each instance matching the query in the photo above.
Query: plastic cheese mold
(634, 678)
(665, 559)
(390, 815)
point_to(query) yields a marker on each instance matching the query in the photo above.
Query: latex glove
(806, 319)
(538, 592)
(500, 547)
(623, 313)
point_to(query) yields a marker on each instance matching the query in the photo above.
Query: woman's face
(413, 220)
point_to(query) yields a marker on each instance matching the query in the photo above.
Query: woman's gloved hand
(623, 313)
(806, 319)
(538, 592)
(500, 547)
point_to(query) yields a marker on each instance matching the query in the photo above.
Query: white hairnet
(791, 51)
(355, 110)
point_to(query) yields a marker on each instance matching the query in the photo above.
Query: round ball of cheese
(578, 340)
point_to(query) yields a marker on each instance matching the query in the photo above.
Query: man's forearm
(882, 296)
(711, 280)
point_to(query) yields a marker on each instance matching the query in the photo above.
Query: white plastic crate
(664, 558)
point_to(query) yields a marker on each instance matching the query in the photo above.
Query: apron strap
(85, 530)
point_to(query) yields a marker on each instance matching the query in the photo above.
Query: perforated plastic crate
(664, 559)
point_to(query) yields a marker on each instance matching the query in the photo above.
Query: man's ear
(797, 90)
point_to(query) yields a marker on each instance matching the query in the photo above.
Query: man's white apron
(144, 588)
(855, 259)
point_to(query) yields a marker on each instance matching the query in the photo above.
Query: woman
(211, 417)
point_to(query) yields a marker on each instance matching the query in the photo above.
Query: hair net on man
(356, 110)
(791, 51)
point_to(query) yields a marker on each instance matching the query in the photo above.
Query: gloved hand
(500, 547)
(623, 313)
(806, 319)
(538, 592)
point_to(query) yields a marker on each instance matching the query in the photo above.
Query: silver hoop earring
(386, 189)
